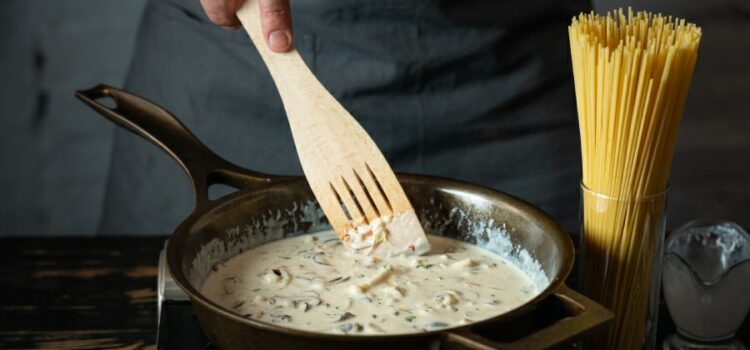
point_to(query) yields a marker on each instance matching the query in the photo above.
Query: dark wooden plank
(78, 293)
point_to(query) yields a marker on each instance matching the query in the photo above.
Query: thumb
(276, 23)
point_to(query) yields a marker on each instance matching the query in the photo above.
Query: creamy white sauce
(314, 283)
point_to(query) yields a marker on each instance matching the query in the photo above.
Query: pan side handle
(586, 317)
(148, 120)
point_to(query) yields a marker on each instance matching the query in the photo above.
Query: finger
(276, 21)
(222, 13)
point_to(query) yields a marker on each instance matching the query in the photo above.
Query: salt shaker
(706, 281)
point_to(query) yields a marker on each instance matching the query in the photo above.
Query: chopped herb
(410, 318)
(339, 279)
(424, 266)
(285, 257)
(256, 290)
(238, 304)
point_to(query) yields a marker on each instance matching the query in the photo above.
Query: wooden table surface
(78, 293)
(97, 293)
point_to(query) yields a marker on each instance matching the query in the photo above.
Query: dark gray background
(55, 152)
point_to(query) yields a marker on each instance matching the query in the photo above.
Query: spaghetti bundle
(632, 74)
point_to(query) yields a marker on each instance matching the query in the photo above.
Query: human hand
(275, 20)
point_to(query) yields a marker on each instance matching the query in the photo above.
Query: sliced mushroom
(312, 301)
(375, 328)
(332, 242)
(278, 276)
(471, 315)
(309, 297)
(394, 292)
(320, 259)
(351, 327)
(305, 254)
(462, 264)
(437, 324)
(470, 295)
(449, 297)
(281, 318)
(342, 317)
(305, 307)
(230, 285)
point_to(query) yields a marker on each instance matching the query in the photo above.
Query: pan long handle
(587, 317)
(155, 124)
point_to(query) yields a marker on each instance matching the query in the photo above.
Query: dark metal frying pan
(270, 207)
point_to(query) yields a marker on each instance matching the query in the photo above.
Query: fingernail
(279, 40)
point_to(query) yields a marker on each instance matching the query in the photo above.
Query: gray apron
(479, 91)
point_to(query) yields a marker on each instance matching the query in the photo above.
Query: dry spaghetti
(632, 73)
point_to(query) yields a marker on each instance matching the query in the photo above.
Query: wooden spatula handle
(297, 85)
(299, 90)
(342, 164)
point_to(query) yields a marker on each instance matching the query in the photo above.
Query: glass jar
(621, 254)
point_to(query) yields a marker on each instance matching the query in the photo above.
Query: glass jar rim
(663, 193)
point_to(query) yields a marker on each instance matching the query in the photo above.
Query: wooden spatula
(341, 162)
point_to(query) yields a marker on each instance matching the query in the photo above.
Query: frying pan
(271, 207)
